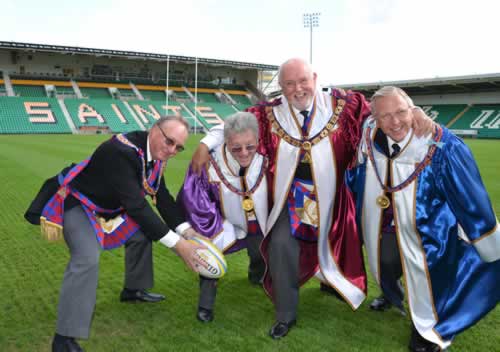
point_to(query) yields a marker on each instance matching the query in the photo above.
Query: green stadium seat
(207, 98)
(30, 91)
(101, 113)
(31, 115)
(127, 93)
(149, 111)
(241, 107)
(95, 93)
(443, 113)
(153, 94)
(483, 118)
(241, 99)
(211, 114)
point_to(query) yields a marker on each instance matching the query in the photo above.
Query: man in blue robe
(424, 213)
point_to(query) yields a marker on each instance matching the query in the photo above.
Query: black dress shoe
(140, 296)
(419, 344)
(65, 344)
(331, 291)
(280, 329)
(380, 304)
(205, 315)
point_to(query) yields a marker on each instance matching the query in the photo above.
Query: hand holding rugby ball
(210, 255)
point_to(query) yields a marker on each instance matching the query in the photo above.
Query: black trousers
(391, 269)
(256, 268)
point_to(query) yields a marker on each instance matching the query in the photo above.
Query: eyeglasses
(239, 148)
(170, 142)
(400, 114)
(293, 84)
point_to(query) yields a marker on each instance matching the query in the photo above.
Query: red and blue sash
(303, 210)
(53, 212)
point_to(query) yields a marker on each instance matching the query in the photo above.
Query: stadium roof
(445, 85)
(134, 55)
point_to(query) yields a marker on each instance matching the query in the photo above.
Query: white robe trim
(235, 224)
(325, 179)
(414, 263)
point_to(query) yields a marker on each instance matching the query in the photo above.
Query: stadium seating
(444, 113)
(153, 94)
(211, 114)
(485, 119)
(33, 112)
(241, 107)
(29, 91)
(241, 99)
(101, 113)
(150, 111)
(207, 98)
(31, 115)
(127, 93)
(95, 93)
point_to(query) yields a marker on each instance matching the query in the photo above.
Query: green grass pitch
(31, 271)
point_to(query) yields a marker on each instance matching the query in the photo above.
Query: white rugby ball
(215, 264)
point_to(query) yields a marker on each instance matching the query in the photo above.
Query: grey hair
(240, 122)
(389, 91)
(164, 119)
(282, 68)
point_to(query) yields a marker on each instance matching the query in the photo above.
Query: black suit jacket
(112, 179)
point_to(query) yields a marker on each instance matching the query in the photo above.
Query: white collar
(297, 111)
(401, 144)
(148, 151)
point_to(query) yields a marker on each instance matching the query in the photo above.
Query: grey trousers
(284, 251)
(78, 291)
(391, 270)
(256, 268)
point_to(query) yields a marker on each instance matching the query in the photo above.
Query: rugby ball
(215, 265)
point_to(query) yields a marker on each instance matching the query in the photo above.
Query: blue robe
(447, 232)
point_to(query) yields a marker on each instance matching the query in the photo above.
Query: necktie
(395, 150)
(305, 124)
(242, 171)
(388, 214)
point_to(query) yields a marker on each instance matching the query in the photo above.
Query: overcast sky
(356, 41)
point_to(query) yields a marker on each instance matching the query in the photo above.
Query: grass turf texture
(31, 271)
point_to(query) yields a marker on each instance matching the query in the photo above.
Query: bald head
(293, 64)
(298, 82)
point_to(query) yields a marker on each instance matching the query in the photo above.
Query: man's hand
(200, 158)
(422, 124)
(190, 233)
(187, 251)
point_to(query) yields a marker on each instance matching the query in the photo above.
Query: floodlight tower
(311, 20)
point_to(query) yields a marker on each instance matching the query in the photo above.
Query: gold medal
(306, 146)
(383, 201)
(247, 204)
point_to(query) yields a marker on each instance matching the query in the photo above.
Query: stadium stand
(150, 111)
(207, 98)
(241, 99)
(31, 115)
(63, 89)
(485, 119)
(101, 114)
(445, 113)
(95, 93)
(29, 91)
(127, 93)
(210, 114)
(153, 94)
(3, 92)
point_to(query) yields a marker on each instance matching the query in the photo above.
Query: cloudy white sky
(356, 41)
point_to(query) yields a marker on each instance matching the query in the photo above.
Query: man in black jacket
(102, 204)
